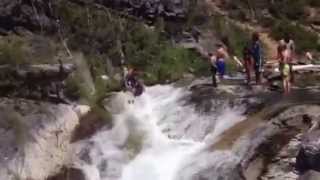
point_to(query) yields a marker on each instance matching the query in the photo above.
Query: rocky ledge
(35, 137)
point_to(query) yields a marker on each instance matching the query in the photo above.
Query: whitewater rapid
(154, 138)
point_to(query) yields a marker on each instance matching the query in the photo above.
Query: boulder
(69, 174)
(309, 154)
(310, 175)
(35, 138)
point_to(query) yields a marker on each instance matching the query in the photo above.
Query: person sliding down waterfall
(213, 68)
(131, 82)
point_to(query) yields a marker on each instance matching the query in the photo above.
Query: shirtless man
(221, 56)
(289, 46)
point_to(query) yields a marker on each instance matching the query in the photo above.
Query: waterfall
(154, 138)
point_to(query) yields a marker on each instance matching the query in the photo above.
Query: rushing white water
(152, 138)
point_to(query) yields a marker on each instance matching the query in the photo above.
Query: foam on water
(140, 146)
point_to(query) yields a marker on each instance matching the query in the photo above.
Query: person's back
(289, 45)
(256, 51)
(221, 56)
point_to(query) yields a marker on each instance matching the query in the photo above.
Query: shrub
(12, 51)
(304, 39)
(108, 34)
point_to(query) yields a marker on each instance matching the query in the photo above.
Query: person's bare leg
(285, 86)
(248, 73)
(258, 78)
(289, 85)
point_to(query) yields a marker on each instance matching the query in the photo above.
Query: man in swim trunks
(221, 56)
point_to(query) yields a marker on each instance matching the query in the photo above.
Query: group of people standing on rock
(252, 64)
(253, 61)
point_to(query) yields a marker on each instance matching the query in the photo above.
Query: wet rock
(282, 165)
(309, 154)
(69, 174)
(275, 145)
(89, 124)
(213, 166)
(310, 175)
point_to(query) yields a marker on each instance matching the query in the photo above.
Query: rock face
(309, 155)
(40, 15)
(33, 77)
(172, 9)
(69, 174)
(281, 149)
(310, 175)
(33, 15)
(35, 137)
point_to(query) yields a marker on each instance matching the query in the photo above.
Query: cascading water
(154, 138)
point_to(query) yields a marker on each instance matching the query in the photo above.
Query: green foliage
(34, 49)
(288, 8)
(198, 13)
(12, 51)
(102, 34)
(95, 31)
(304, 39)
(314, 3)
(157, 58)
(174, 62)
(232, 35)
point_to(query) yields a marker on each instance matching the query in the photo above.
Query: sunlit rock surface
(35, 137)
